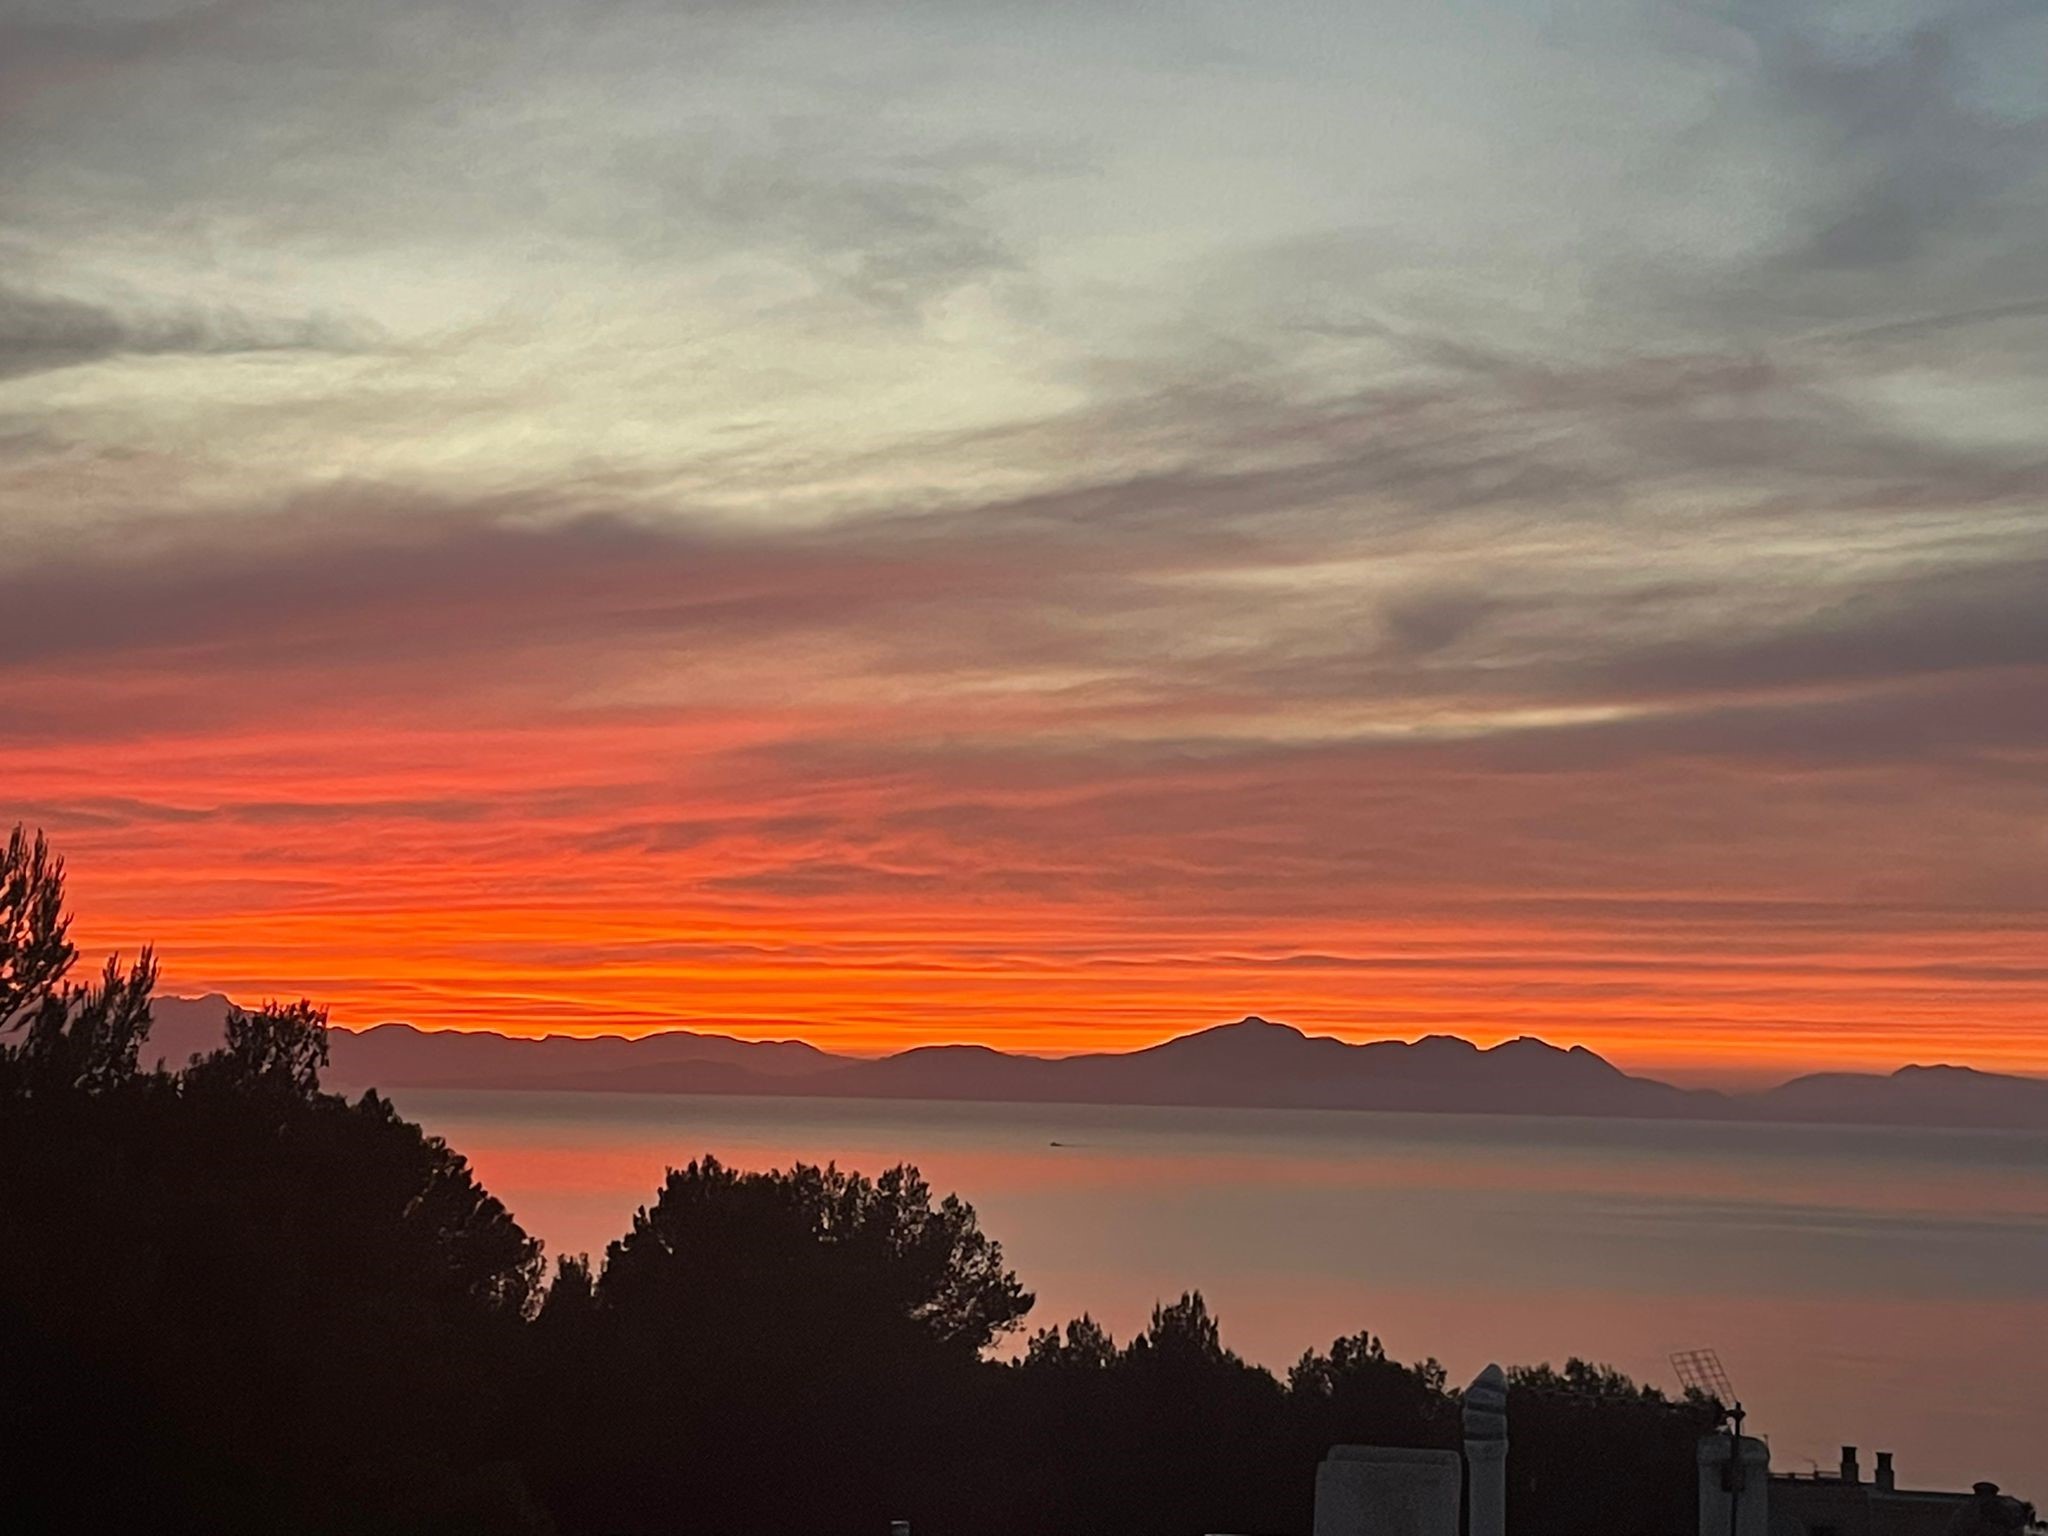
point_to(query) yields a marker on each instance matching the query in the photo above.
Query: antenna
(1699, 1370)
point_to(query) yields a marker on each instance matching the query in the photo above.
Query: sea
(1881, 1288)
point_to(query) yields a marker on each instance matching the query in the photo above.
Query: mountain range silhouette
(1251, 1063)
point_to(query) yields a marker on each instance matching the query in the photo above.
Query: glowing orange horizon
(464, 880)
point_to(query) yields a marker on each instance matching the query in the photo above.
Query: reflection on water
(1877, 1287)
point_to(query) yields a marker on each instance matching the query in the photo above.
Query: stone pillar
(1734, 1500)
(1370, 1490)
(1486, 1454)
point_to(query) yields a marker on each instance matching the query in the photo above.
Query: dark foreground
(231, 1302)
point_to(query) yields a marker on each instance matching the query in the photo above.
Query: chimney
(1851, 1473)
(1885, 1478)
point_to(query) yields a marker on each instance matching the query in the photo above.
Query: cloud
(42, 332)
(1868, 165)
(1084, 614)
(1930, 621)
(1920, 162)
(893, 229)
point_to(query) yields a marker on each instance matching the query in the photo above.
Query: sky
(1044, 524)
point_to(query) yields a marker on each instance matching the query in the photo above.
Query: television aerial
(1700, 1372)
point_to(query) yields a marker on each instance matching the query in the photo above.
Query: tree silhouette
(85, 1038)
(198, 1269)
(1582, 1381)
(35, 950)
(841, 1255)
(1358, 1395)
(1182, 1337)
(1086, 1346)
(571, 1296)
(279, 1048)
(67, 1036)
(1593, 1450)
(747, 1314)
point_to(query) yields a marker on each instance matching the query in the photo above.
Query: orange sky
(1037, 527)
(625, 871)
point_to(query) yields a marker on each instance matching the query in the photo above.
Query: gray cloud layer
(40, 332)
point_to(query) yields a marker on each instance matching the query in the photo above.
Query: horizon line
(1759, 1077)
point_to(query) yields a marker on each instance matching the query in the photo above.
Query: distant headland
(1251, 1063)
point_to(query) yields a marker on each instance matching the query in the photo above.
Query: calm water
(1883, 1288)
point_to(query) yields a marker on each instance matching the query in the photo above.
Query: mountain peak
(1250, 1028)
(1250, 1036)
(1440, 1044)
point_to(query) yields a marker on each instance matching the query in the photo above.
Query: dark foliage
(1591, 1450)
(753, 1322)
(277, 1051)
(232, 1302)
(35, 950)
